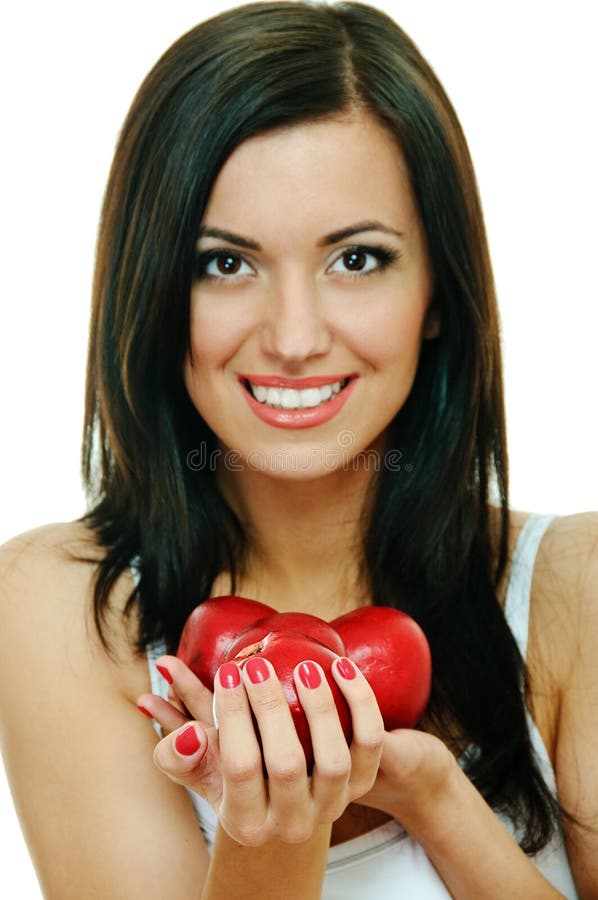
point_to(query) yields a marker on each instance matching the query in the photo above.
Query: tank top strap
(153, 652)
(519, 588)
(135, 566)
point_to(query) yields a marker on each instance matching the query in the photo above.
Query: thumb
(190, 756)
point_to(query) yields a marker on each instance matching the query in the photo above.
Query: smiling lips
(297, 402)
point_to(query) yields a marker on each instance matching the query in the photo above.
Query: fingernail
(145, 711)
(257, 670)
(229, 675)
(346, 668)
(309, 675)
(186, 743)
(165, 674)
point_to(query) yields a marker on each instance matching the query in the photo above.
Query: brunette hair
(428, 546)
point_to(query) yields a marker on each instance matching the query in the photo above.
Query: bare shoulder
(53, 534)
(46, 584)
(572, 540)
(67, 550)
(563, 595)
(567, 566)
(565, 589)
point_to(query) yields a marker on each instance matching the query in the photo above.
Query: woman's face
(312, 271)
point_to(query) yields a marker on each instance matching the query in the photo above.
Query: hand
(188, 698)
(416, 770)
(264, 794)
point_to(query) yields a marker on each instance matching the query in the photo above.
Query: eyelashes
(230, 262)
(355, 256)
(352, 262)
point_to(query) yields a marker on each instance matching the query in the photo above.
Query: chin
(309, 464)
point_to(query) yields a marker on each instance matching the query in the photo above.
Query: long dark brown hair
(428, 547)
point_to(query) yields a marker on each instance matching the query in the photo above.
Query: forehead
(317, 175)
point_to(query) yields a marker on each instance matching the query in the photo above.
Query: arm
(274, 833)
(420, 784)
(272, 869)
(99, 819)
(576, 757)
(268, 872)
(565, 643)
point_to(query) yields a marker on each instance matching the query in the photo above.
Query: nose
(295, 327)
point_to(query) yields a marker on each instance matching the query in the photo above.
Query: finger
(244, 807)
(332, 757)
(162, 711)
(187, 688)
(178, 704)
(288, 784)
(189, 756)
(368, 727)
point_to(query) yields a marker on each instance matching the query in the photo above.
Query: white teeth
(290, 398)
(273, 396)
(312, 396)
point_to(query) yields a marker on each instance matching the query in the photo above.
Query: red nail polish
(257, 670)
(165, 674)
(186, 742)
(145, 711)
(229, 675)
(346, 668)
(309, 675)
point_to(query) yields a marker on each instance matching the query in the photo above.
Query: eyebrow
(333, 238)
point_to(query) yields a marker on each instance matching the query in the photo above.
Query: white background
(522, 76)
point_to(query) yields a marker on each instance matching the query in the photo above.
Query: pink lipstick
(305, 417)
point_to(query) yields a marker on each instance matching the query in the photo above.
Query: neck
(305, 539)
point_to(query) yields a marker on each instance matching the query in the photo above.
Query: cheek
(391, 333)
(216, 333)
(399, 344)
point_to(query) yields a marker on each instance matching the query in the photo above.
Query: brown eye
(355, 260)
(359, 261)
(221, 265)
(228, 264)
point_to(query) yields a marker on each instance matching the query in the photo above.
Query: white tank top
(385, 860)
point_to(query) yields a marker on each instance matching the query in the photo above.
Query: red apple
(392, 652)
(302, 623)
(285, 650)
(211, 627)
(388, 646)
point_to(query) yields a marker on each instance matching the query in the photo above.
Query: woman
(291, 210)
